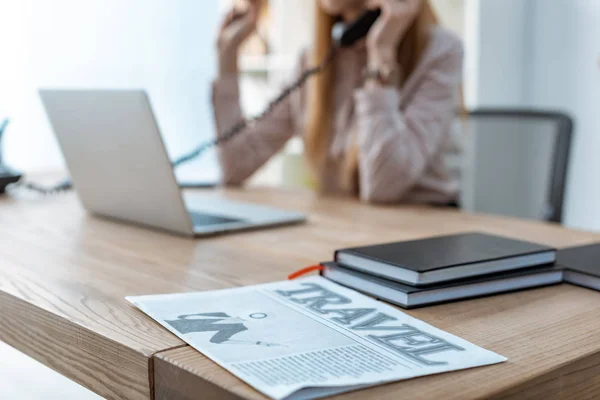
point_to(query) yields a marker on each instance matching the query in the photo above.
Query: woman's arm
(395, 147)
(244, 154)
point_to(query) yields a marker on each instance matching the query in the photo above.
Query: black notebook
(581, 264)
(410, 296)
(445, 258)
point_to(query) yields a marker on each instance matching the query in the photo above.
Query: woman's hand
(389, 29)
(237, 26)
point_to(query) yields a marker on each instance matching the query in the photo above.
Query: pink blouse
(405, 136)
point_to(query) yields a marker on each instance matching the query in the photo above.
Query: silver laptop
(120, 168)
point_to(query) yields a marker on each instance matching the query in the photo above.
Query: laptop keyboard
(200, 219)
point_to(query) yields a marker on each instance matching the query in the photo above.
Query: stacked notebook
(444, 268)
(581, 265)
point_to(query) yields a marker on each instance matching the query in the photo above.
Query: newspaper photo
(309, 338)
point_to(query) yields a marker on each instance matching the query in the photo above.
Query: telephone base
(8, 176)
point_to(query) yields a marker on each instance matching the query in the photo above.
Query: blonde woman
(376, 124)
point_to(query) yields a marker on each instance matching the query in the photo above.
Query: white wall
(565, 74)
(164, 46)
(546, 54)
(497, 45)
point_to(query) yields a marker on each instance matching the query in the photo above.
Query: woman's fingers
(229, 17)
(388, 30)
(394, 8)
(257, 4)
(372, 4)
(238, 24)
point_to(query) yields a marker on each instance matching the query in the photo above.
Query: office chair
(515, 162)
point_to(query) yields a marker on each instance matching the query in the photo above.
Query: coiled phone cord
(226, 136)
(61, 187)
(239, 127)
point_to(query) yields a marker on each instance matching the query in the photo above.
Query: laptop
(120, 168)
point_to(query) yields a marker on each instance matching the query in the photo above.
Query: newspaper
(309, 338)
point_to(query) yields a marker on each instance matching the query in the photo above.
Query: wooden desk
(64, 275)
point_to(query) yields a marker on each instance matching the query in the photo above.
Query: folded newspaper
(309, 338)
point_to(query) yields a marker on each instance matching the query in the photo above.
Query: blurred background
(520, 54)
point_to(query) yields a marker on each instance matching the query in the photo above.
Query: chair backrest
(515, 162)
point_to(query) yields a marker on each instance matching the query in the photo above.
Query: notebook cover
(441, 252)
(583, 259)
(408, 289)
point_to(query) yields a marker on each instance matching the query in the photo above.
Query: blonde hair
(319, 112)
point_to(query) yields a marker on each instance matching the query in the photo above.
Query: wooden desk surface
(64, 275)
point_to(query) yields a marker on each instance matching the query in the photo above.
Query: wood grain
(106, 367)
(64, 275)
(174, 380)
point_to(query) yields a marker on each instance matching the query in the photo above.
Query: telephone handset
(351, 33)
(359, 28)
